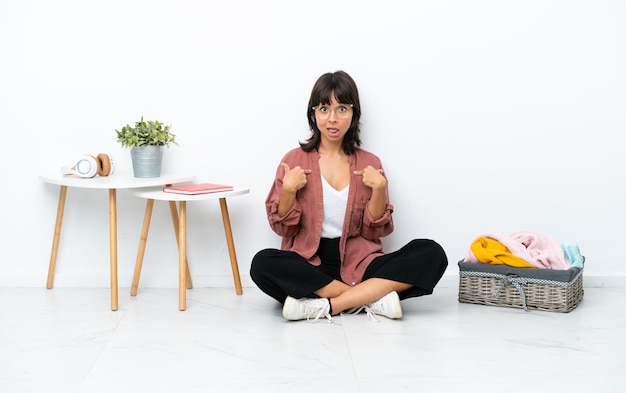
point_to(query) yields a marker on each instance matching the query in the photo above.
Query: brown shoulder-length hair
(343, 87)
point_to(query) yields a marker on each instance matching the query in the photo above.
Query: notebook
(197, 188)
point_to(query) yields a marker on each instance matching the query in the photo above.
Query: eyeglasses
(341, 111)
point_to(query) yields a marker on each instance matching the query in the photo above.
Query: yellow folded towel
(488, 250)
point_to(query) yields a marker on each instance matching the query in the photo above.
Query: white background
(489, 116)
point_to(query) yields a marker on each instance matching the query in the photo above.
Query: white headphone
(89, 166)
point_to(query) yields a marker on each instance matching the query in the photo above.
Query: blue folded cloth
(572, 254)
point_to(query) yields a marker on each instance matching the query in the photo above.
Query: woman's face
(333, 120)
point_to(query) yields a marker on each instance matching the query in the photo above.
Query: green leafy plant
(146, 133)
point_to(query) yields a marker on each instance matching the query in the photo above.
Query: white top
(116, 180)
(158, 194)
(334, 210)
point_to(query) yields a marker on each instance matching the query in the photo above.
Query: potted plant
(146, 140)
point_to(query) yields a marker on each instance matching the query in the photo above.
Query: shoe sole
(398, 315)
(287, 306)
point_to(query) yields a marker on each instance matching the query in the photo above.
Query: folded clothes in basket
(519, 249)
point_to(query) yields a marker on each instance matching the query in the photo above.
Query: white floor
(68, 340)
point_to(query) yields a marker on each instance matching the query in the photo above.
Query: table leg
(113, 245)
(57, 237)
(182, 255)
(143, 239)
(231, 246)
(174, 215)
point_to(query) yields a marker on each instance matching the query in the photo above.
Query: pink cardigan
(301, 227)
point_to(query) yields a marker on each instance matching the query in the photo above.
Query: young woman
(330, 205)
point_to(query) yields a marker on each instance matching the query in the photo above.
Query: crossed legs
(343, 297)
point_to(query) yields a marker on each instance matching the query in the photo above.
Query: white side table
(180, 226)
(111, 183)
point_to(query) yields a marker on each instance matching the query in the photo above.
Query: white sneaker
(388, 306)
(306, 308)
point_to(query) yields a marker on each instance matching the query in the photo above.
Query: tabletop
(158, 194)
(116, 180)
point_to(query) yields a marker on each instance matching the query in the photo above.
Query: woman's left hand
(372, 177)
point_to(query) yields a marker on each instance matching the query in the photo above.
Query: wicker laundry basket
(526, 288)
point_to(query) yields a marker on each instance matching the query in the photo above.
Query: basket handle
(517, 282)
